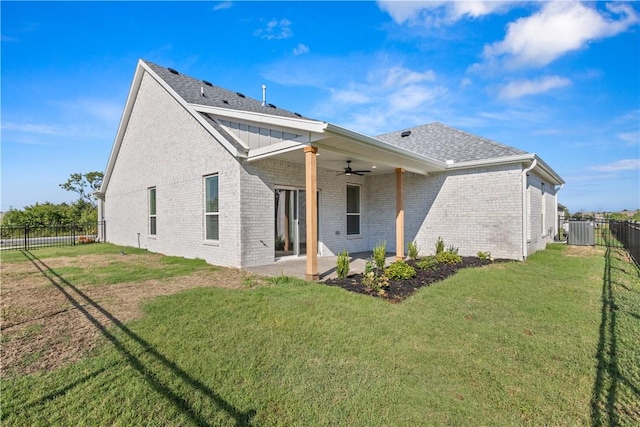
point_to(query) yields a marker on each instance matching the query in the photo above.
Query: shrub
(452, 249)
(376, 283)
(484, 255)
(400, 270)
(380, 254)
(448, 257)
(368, 266)
(439, 245)
(428, 263)
(342, 267)
(413, 251)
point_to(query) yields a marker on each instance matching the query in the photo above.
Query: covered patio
(326, 266)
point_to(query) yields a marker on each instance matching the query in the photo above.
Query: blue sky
(559, 79)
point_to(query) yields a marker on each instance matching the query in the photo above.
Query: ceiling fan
(348, 171)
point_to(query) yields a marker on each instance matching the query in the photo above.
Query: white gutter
(524, 208)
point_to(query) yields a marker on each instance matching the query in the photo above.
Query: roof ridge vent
(241, 95)
(405, 134)
(207, 83)
(171, 70)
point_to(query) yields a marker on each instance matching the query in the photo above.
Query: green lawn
(552, 341)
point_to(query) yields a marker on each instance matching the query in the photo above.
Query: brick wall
(173, 156)
(473, 209)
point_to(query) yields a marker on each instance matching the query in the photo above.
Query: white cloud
(400, 76)
(620, 165)
(348, 96)
(434, 13)
(630, 138)
(559, 27)
(520, 88)
(223, 5)
(388, 97)
(275, 30)
(300, 49)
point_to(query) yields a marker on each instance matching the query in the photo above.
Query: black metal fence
(627, 233)
(605, 232)
(26, 237)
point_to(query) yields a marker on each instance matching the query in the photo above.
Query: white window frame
(358, 214)
(211, 213)
(153, 210)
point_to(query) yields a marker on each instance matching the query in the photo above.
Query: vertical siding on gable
(165, 147)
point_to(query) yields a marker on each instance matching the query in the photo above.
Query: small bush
(439, 245)
(428, 263)
(484, 255)
(378, 284)
(380, 254)
(368, 266)
(400, 270)
(452, 249)
(84, 240)
(448, 257)
(342, 267)
(413, 251)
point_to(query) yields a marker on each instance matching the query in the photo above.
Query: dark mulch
(401, 289)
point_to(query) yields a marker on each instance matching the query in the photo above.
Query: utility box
(582, 233)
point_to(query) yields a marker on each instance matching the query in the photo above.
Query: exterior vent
(207, 83)
(171, 70)
(241, 95)
(405, 134)
(298, 114)
(224, 101)
(272, 106)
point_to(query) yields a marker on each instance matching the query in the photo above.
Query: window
(211, 212)
(353, 210)
(152, 211)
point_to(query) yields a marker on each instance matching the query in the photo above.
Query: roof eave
(288, 122)
(122, 126)
(431, 164)
(526, 158)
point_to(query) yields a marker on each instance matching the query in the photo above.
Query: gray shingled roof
(189, 89)
(443, 143)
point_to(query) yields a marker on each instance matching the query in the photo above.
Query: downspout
(525, 226)
(556, 211)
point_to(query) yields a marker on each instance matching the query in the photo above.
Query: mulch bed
(401, 289)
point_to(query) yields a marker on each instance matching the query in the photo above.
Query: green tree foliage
(82, 211)
(85, 184)
(79, 212)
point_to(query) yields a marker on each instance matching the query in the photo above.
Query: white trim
(287, 122)
(272, 150)
(525, 206)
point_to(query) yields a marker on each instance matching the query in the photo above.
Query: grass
(124, 264)
(552, 341)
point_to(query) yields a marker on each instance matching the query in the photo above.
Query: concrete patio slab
(295, 266)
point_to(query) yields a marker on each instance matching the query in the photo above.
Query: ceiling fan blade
(359, 171)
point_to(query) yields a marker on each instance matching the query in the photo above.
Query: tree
(85, 185)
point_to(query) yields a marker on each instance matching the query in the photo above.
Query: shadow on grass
(81, 301)
(609, 377)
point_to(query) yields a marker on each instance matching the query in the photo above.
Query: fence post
(26, 237)
(73, 235)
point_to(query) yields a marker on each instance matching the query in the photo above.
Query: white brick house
(203, 172)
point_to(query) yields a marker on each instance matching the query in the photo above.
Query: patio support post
(311, 187)
(399, 215)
